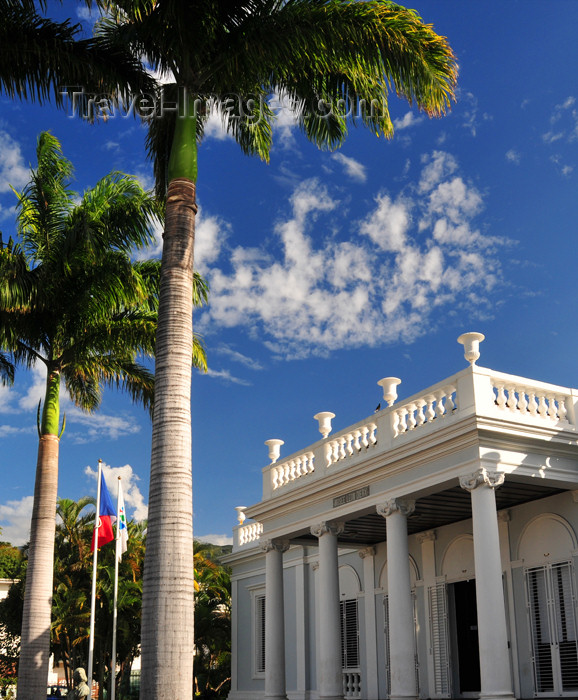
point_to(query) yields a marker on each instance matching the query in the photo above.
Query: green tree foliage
(71, 604)
(39, 56)
(71, 598)
(11, 561)
(212, 665)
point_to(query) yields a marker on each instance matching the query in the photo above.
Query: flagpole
(93, 595)
(114, 614)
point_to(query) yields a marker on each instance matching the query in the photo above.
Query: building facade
(428, 551)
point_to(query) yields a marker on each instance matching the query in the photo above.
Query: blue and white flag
(121, 528)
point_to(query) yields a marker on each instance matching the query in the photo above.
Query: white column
(496, 678)
(274, 620)
(302, 638)
(427, 540)
(401, 623)
(329, 672)
(371, 684)
(234, 633)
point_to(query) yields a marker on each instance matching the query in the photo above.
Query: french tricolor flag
(105, 519)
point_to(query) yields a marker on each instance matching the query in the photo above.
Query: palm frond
(41, 59)
(6, 370)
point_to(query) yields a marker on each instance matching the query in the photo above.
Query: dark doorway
(466, 622)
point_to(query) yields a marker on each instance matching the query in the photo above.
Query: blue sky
(329, 271)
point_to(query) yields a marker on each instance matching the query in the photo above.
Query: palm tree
(72, 299)
(327, 56)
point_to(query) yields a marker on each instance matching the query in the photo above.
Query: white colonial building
(427, 551)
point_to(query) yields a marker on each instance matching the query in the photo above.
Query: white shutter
(386, 635)
(551, 600)
(438, 605)
(563, 595)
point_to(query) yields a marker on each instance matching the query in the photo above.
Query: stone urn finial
(471, 343)
(324, 419)
(389, 386)
(274, 446)
(241, 517)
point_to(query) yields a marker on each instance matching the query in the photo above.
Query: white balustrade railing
(475, 391)
(249, 533)
(524, 400)
(351, 443)
(292, 469)
(351, 684)
(426, 409)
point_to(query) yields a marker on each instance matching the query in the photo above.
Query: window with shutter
(551, 599)
(259, 634)
(349, 634)
(438, 605)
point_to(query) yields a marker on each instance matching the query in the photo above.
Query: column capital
(335, 528)
(367, 552)
(278, 545)
(482, 476)
(427, 536)
(404, 506)
(504, 516)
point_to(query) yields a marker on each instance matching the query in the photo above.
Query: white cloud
(226, 376)
(553, 136)
(565, 117)
(98, 425)
(438, 166)
(36, 390)
(7, 212)
(214, 127)
(210, 235)
(239, 357)
(13, 171)
(7, 398)
(469, 103)
(6, 430)
(331, 288)
(15, 519)
(133, 498)
(285, 120)
(352, 167)
(408, 120)
(512, 156)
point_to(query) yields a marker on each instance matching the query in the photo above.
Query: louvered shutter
(438, 605)
(349, 634)
(551, 603)
(260, 634)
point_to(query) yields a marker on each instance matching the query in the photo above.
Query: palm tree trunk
(35, 638)
(168, 585)
(35, 642)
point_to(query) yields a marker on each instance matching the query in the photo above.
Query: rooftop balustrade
(504, 399)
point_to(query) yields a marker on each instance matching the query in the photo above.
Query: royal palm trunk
(34, 660)
(168, 585)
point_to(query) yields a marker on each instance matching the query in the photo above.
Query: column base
(403, 697)
(274, 697)
(498, 695)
